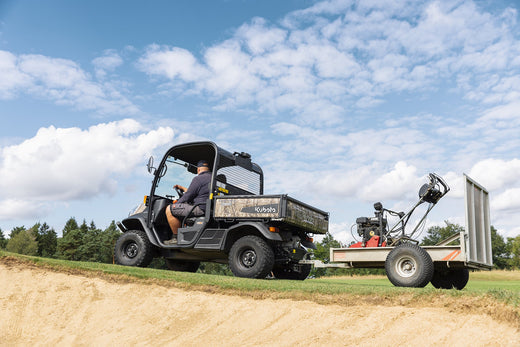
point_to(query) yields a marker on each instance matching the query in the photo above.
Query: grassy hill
(496, 293)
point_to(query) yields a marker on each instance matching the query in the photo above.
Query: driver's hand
(180, 187)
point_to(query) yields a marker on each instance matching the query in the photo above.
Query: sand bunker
(41, 307)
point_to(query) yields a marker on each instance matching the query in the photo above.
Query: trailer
(446, 265)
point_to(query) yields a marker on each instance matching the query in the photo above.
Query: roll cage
(231, 173)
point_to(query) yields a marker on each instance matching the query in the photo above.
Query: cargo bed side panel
(306, 218)
(280, 208)
(248, 207)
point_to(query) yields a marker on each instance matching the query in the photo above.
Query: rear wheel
(133, 249)
(450, 278)
(408, 265)
(288, 272)
(251, 257)
(182, 265)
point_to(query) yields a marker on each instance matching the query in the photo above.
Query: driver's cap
(203, 163)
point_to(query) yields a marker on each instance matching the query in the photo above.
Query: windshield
(175, 171)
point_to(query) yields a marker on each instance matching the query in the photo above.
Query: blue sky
(343, 103)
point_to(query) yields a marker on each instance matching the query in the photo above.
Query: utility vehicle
(255, 234)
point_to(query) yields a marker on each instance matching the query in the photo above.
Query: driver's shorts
(182, 210)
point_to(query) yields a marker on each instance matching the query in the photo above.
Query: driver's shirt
(198, 191)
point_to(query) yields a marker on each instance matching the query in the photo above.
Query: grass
(496, 293)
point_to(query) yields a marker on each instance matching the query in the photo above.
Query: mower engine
(375, 232)
(372, 229)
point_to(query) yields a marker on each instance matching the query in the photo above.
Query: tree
(15, 231)
(436, 234)
(23, 242)
(88, 243)
(68, 245)
(88, 250)
(70, 225)
(107, 242)
(47, 240)
(499, 250)
(513, 247)
(322, 252)
(3, 240)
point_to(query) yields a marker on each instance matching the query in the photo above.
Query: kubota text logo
(260, 209)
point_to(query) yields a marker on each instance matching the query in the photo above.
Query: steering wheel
(179, 191)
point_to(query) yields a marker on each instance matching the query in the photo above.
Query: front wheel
(408, 265)
(251, 257)
(133, 249)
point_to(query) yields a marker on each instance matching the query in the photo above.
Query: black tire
(288, 272)
(251, 257)
(459, 278)
(133, 249)
(440, 280)
(408, 265)
(182, 265)
(450, 278)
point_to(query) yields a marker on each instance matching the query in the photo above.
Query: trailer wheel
(182, 265)
(288, 272)
(459, 278)
(450, 278)
(133, 249)
(251, 257)
(408, 265)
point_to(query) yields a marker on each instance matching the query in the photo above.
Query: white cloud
(19, 208)
(496, 174)
(61, 164)
(172, 62)
(61, 81)
(508, 200)
(12, 78)
(109, 61)
(364, 51)
(395, 184)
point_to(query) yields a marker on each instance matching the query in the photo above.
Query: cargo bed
(278, 208)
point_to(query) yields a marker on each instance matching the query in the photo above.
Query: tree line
(86, 242)
(83, 242)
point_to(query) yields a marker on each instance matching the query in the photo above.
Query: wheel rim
(248, 258)
(406, 267)
(131, 250)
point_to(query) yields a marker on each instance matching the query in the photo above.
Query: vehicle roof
(192, 152)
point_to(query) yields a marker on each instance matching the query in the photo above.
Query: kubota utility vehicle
(255, 234)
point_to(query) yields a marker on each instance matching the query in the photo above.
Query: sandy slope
(40, 307)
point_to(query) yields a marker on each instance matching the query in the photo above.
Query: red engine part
(373, 242)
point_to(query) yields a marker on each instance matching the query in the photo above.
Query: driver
(196, 194)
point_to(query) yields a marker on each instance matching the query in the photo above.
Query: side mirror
(150, 167)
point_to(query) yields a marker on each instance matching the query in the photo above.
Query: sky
(342, 103)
